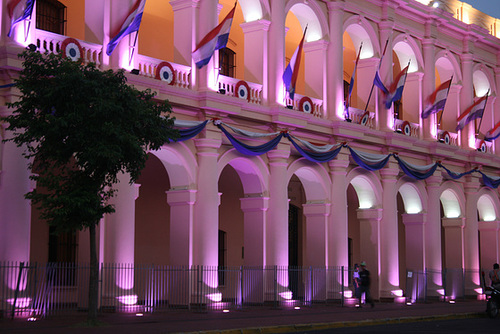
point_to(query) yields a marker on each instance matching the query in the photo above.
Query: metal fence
(31, 289)
(447, 284)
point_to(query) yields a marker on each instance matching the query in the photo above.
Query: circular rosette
(242, 90)
(445, 137)
(365, 118)
(165, 72)
(406, 128)
(482, 146)
(305, 105)
(72, 49)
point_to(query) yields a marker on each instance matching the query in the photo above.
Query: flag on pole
(377, 81)
(351, 83)
(437, 100)
(19, 10)
(216, 39)
(493, 133)
(473, 112)
(130, 25)
(292, 70)
(396, 88)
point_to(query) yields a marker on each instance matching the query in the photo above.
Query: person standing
(495, 276)
(356, 282)
(364, 276)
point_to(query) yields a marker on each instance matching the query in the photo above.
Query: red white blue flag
(19, 10)
(216, 39)
(473, 112)
(130, 25)
(493, 133)
(377, 81)
(437, 100)
(292, 70)
(396, 89)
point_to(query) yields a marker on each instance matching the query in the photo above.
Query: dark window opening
(51, 16)
(222, 257)
(397, 109)
(227, 62)
(63, 257)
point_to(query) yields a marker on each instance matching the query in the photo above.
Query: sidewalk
(251, 320)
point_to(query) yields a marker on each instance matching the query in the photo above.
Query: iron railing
(32, 289)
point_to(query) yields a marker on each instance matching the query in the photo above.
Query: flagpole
(481, 121)
(133, 48)
(442, 111)
(379, 65)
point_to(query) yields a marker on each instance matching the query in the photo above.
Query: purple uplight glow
(20, 302)
(215, 297)
(128, 299)
(286, 295)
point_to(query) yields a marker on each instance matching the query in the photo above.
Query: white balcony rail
(148, 66)
(47, 41)
(317, 104)
(228, 84)
(453, 137)
(398, 123)
(356, 116)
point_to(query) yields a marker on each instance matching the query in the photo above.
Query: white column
(414, 239)
(120, 58)
(277, 215)
(454, 242)
(496, 107)
(385, 117)
(206, 214)
(254, 212)
(471, 234)
(95, 21)
(466, 99)
(15, 217)
(365, 73)
(256, 50)
(428, 125)
(389, 256)
(181, 226)
(185, 24)
(412, 99)
(316, 222)
(370, 245)
(315, 64)
(276, 54)
(432, 233)
(333, 100)
(489, 247)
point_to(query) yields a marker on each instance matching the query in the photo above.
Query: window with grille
(63, 257)
(51, 16)
(222, 257)
(227, 62)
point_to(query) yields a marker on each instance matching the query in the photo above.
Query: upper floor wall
(438, 44)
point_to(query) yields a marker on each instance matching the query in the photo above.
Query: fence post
(342, 287)
(275, 269)
(444, 284)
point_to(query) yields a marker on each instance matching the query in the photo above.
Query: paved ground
(252, 320)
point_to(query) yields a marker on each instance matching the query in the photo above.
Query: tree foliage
(82, 127)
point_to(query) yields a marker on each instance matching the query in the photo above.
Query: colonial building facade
(204, 202)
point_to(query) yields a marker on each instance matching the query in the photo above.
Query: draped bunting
(490, 181)
(416, 172)
(369, 161)
(453, 175)
(315, 156)
(323, 153)
(251, 150)
(185, 134)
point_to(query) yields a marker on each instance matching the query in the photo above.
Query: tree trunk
(94, 277)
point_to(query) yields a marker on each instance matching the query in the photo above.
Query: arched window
(51, 16)
(227, 62)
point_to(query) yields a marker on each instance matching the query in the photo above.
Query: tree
(81, 127)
